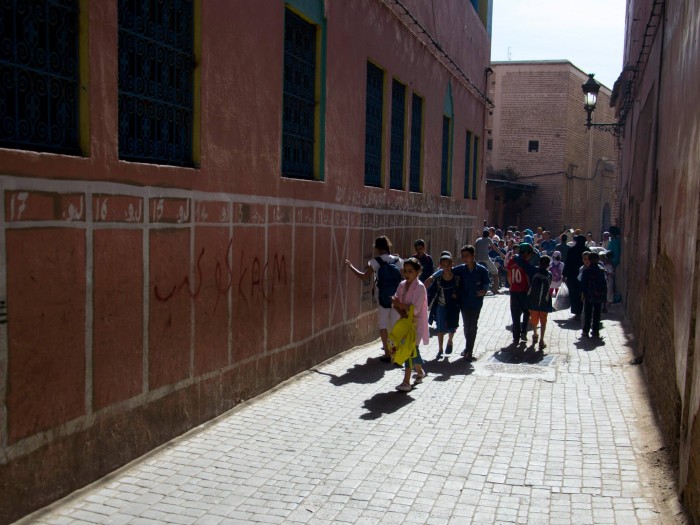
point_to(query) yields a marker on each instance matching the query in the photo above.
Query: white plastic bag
(562, 301)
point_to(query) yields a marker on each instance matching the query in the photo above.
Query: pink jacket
(418, 297)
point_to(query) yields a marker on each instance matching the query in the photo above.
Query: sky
(561, 29)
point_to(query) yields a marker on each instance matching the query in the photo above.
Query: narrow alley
(515, 437)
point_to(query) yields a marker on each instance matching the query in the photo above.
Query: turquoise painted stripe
(312, 9)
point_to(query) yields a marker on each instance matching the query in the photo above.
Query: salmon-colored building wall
(144, 299)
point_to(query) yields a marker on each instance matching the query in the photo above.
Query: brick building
(658, 102)
(543, 167)
(180, 188)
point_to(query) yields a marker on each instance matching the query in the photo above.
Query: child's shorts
(387, 317)
(447, 319)
(537, 316)
(418, 360)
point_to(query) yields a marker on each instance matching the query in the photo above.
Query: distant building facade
(543, 167)
(659, 105)
(180, 188)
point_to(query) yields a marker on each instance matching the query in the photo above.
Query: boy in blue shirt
(474, 282)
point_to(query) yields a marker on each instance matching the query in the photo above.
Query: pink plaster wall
(144, 299)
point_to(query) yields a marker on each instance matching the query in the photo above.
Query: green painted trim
(311, 10)
(448, 103)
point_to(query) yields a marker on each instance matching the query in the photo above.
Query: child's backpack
(538, 294)
(597, 286)
(388, 280)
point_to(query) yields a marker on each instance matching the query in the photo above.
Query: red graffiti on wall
(253, 281)
(184, 284)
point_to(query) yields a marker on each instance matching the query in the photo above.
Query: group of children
(532, 287)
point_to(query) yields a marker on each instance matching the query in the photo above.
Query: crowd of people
(533, 266)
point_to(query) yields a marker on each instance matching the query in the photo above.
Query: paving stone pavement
(515, 437)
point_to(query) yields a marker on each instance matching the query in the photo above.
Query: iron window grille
(39, 76)
(299, 98)
(374, 124)
(468, 166)
(156, 63)
(475, 167)
(416, 142)
(445, 171)
(398, 135)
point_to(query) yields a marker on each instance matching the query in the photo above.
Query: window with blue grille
(39, 75)
(374, 122)
(416, 143)
(299, 104)
(475, 167)
(445, 182)
(398, 135)
(156, 84)
(468, 166)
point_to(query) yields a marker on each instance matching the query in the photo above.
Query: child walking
(594, 291)
(540, 300)
(411, 291)
(556, 268)
(447, 311)
(610, 275)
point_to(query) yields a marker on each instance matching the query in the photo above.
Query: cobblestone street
(514, 437)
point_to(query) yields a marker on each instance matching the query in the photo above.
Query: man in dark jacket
(574, 261)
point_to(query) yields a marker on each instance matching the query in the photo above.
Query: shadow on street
(569, 324)
(370, 371)
(589, 343)
(385, 403)
(520, 354)
(443, 369)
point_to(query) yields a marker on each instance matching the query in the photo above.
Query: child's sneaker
(419, 377)
(448, 349)
(543, 345)
(403, 387)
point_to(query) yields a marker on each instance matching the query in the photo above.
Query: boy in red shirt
(519, 285)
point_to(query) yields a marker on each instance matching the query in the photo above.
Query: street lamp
(590, 97)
